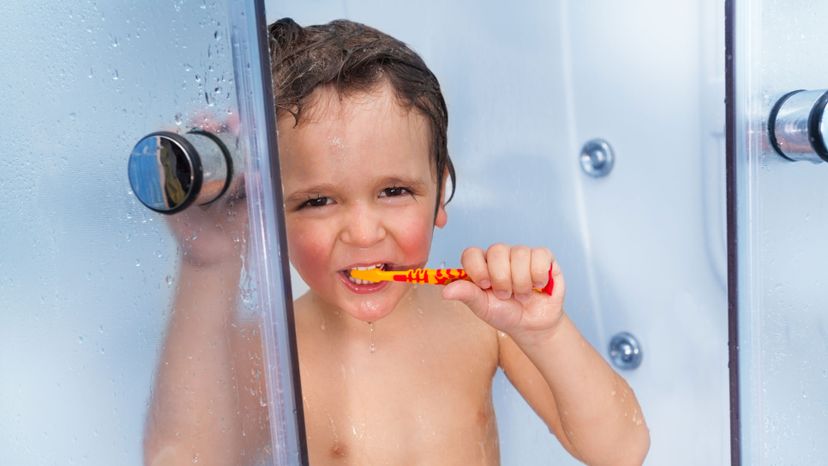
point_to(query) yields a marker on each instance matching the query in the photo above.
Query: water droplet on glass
(115, 75)
(80, 339)
(137, 262)
(169, 280)
(178, 119)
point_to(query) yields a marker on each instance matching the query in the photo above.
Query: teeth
(358, 281)
(369, 267)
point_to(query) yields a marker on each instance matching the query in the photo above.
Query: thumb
(468, 293)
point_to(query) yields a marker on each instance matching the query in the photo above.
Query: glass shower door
(781, 217)
(110, 351)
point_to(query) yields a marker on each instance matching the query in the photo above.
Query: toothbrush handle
(446, 276)
(550, 284)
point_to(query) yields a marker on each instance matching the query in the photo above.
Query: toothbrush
(429, 276)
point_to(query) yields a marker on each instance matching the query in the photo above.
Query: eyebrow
(397, 181)
(305, 193)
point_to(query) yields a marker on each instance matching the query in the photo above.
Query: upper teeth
(368, 267)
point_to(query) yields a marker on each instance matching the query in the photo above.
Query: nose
(362, 227)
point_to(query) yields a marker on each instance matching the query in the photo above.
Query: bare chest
(408, 402)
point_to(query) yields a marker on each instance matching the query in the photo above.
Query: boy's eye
(395, 191)
(318, 201)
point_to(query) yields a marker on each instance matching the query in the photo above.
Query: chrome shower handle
(797, 126)
(169, 172)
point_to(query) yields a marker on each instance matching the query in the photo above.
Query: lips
(364, 286)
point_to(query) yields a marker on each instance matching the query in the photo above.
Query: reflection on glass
(159, 173)
(171, 175)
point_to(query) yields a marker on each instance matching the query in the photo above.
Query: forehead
(367, 130)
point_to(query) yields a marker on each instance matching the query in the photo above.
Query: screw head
(625, 351)
(597, 158)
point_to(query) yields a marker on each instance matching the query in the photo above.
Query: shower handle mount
(797, 126)
(169, 172)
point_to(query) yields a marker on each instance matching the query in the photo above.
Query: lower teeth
(357, 281)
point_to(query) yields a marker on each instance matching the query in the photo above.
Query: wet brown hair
(352, 57)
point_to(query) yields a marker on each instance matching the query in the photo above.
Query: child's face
(360, 190)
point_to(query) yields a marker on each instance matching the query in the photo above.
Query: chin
(373, 307)
(372, 310)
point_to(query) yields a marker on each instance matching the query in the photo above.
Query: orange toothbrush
(429, 276)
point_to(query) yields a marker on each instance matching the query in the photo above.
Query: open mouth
(347, 273)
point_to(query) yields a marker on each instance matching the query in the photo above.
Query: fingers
(473, 296)
(498, 260)
(542, 260)
(508, 270)
(474, 263)
(521, 257)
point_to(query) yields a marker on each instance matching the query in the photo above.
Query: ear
(441, 218)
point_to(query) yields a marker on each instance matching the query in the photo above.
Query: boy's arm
(206, 405)
(590, 408)
(584, 402)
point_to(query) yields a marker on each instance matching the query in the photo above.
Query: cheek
(413, 237)
(308, 250)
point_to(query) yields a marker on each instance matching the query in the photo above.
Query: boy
(391, 373)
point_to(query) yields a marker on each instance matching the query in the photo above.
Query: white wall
(643, 249)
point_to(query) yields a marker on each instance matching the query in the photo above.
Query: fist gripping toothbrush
(428, 276)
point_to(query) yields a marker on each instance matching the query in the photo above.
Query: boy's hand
(501, 289)
(214, 234)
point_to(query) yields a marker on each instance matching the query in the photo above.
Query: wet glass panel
(782, 225)
(126, 333)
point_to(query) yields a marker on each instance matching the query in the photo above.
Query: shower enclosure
(780, 216)
(596, 128)
(100, 99)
